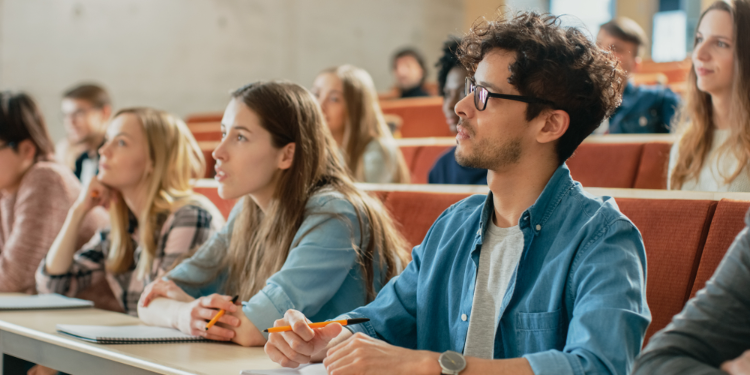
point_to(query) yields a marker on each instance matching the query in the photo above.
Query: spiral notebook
(126, 334)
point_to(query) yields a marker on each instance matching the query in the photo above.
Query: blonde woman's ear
(287, 156)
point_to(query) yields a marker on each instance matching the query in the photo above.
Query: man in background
(410, 72)
(86, 110)
(451, 80)
(644, 109)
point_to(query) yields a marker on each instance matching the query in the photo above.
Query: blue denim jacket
(321, 276)
(644, 109)
(576, 303)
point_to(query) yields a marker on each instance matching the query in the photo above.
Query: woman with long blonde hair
(145, 170)
(350, 104)
(301, 236)
(714, 146)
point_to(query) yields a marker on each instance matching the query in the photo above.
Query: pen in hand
(219, 315)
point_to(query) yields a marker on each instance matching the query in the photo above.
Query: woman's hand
(161, 288)
(97, 194)
(194, 316)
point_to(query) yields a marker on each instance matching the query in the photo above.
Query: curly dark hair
(448, 60)
(554, 63)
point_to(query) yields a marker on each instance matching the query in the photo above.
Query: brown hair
(21, 119)
(365, 123)
(94, 94)
(554, 63)
(176, 159)
(261, 242)
(695, 123)
(626, 29)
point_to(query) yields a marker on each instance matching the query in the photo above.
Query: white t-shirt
(716, 167)
(500, 253)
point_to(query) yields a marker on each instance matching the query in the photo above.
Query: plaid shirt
(181, 232)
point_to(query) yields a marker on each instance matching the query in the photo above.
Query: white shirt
(717, 166)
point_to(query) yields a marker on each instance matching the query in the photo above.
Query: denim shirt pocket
(536, 332)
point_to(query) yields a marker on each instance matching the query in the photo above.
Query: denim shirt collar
(538, 213)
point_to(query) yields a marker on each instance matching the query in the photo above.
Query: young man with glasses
(538, 277)
(86, 110)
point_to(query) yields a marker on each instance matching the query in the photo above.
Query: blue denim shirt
(576, 303)
(321, 276)
(644, 109)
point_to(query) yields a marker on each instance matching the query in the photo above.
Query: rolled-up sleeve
(315, 268)
(713, 328)
(88, 268)
(610, 314)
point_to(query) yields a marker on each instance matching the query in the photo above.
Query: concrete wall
(185, 55)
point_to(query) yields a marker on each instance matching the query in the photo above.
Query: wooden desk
(31, 335)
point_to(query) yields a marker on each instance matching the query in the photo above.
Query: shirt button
(464, 317)
(538, 227)
(479, 232)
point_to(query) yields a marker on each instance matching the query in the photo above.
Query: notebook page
(316, 369)
(42, 302)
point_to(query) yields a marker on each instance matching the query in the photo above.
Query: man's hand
(362, 354)
(738, 366)
(290, 349)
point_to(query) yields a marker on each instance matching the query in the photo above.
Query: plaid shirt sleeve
(187, 229)
(182, 232)
(87, 268)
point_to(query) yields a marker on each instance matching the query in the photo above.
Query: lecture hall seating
(601, 161)
(686, 234)
(616, 161)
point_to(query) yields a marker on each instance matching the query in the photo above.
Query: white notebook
(42, 302)
(126, 334)
(316, 369)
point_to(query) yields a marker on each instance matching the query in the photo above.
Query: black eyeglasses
(7, 145)
(481, 95)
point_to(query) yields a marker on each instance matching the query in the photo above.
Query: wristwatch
(451, 362)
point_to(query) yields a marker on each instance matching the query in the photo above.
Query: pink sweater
(30, 220)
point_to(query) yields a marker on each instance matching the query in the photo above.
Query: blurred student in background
(350, 105)
(410, 72)
(644, 109)
(86, 110)
(35, 194)
(451, 81)
(714, 146)
(146, 164)
(302, 235)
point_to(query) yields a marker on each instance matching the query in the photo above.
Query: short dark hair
(94, 94)
(626, 29)
(555, 63)
(20, 119)
(448, 60)
(409, 51)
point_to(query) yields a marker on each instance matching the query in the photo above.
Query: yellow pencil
(219, 315)
(344, 322)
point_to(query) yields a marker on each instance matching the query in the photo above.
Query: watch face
(452, 361)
